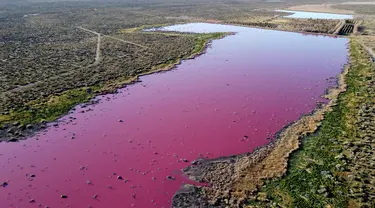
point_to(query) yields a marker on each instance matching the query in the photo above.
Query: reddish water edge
(249, 84)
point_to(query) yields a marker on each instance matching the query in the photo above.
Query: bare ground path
(124, 41)
(97, 55)
(96, 62)
(370, 51)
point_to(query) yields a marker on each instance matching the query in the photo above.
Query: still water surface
(315, 15)
(249, 84)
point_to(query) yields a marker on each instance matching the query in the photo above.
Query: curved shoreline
(233, 179)
(14, 132)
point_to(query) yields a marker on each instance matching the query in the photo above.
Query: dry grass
(236, 179)
(325, 8)
(275, 163)
(334, 166)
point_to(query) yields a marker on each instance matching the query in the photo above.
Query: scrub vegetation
(334, 166)
(55, 55)
(290, 24)
(322, 160)
(358, 8)
(45, 98)
(51, 48)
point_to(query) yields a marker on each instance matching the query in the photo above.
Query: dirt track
(99, 36)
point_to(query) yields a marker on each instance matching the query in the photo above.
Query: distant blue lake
(315, 15)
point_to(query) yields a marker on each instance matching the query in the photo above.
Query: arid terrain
(60, 49)
(56, 55)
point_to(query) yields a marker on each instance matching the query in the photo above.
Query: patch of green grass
(316, 172)
(51, 108)
(200, 38)
(203, 39)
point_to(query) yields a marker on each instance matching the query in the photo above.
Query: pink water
(249, 84)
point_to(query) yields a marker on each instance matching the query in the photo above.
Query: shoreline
(234, 179)
(262, 159)
(277, 29)
(20, 132)
(29, 130)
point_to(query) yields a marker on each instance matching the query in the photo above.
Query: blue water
(315, 15)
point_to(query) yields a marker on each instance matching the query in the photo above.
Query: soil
(149, 131)
(359, 3)
(235, 179)
(232, 180)
(324, 8)
(16, 131)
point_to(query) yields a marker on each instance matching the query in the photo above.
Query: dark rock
(12, 140)
(4, 184)
(63, 196)
(190, 196)
(119, 177)
(32, 201)
(19, 134)
(171, 178)
(17, 123)
(195, 162)
(32, 175)
(21, 127)
(29, 126)
(12, 130)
